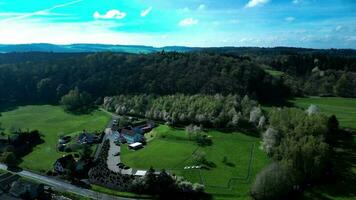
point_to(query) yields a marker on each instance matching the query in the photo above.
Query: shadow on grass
(341, 183)
(6, 106)
(284, 103)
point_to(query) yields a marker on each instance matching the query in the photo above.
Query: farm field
(51, 121)
(343, 108)
(172, 150)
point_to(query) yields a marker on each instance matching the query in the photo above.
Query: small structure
(64, 139)
(64, 163)
(87, 138)
(135, 146)
(140, 173)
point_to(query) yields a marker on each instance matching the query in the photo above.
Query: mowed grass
(171, 149)
(343, 108)
(51, 121)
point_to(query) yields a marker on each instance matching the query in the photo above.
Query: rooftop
(136, 144)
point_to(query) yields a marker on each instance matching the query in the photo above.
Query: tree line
(207, 110)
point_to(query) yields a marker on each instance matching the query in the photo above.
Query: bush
(77, 102)
(274, 182)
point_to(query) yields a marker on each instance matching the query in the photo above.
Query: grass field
(51, 121)
(172, 150)
(343, 108)
(274, 73)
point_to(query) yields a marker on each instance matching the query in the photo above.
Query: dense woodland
(107, 74)
(306, 71)
(47, 77)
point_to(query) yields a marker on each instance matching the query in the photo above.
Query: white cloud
(201, 7)
(188, 22)
(289, 19)
(111, 14)
(145, 12)
(254, 3)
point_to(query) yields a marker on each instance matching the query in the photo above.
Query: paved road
(64, 186)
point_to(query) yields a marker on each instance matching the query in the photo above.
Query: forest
(46, 77)
(108, 74)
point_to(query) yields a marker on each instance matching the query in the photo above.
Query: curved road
(64, 186)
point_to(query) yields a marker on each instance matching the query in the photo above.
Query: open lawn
(171, 149)
(51, 121)
(343, 108)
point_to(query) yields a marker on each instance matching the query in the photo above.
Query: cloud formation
(289, 19)
(147, 11)
(254, 3)
(201, 7)
(111, 14)
(188, 22)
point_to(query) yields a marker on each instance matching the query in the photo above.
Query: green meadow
(170, 149)
(343, 108)
(51, 121)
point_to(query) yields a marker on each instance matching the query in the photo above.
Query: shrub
(274, 182)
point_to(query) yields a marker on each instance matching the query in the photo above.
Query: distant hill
(232, 51)
(75, 48)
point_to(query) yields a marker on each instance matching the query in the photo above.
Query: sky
(199, 23)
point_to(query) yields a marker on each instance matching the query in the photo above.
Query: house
(135, 146)
(88, 138)
(25, 189)
(147, 127)
(64, 163)
(132, 135)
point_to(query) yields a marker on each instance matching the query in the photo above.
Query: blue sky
(267, 23)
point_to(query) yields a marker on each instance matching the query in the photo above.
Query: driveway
(114, 157)
(108, 132)
(113, 160)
